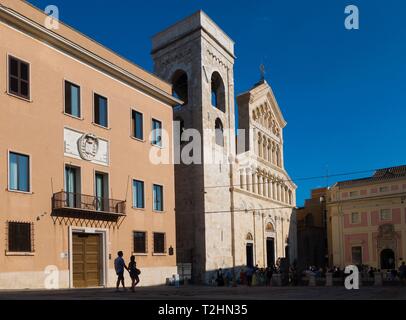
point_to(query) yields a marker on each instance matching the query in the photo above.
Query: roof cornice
(38, 31)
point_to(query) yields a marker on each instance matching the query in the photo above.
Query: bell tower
(197, 58)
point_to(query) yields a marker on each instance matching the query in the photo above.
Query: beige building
(221, 220)
(76, 181)
(367, 220)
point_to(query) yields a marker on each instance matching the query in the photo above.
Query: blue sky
(342, 92)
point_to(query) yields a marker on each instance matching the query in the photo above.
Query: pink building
(367, 220)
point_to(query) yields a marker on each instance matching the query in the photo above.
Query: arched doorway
(387, 259)
(249, 247)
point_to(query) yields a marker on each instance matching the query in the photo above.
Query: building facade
(78, 127)
(220, 222)
(265, 195)
(367, 220)
(312, 248)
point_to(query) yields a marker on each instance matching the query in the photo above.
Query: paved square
(213, 293)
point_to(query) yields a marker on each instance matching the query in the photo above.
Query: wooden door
(86, 260)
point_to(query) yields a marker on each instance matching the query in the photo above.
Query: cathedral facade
(238, 211)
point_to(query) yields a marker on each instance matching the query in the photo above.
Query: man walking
(119, 265)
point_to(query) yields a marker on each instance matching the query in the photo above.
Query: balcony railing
(85, 206)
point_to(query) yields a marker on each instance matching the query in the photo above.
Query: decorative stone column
(273, 190)
(282, 193)
(269, 188)
(264, 186)
(248, 179)
(260, 184)
(269, 153)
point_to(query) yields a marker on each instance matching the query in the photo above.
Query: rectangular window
(159, 242)
(137, 125)
(138, 194)
(72, 187)
(356, 254)
(383, 189)
(19, 78)
(102, 191)
(140, 242)
(386, 215)
(158, 197)
(19, 237)
(355, 217)
(19, 172)
(100, 110)
(72, 99)
(157, 132)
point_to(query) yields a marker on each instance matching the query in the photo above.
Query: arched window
(180, 86)
(218, 97)
(219, 132)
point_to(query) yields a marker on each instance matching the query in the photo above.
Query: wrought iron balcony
(81, 206)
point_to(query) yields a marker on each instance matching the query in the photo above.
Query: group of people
(251, 276)
(367, 271)
(255, 276)
(120, 266)
(394, 274)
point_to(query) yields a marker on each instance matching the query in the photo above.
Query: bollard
(277, 279)
(378, 279)
(329, 279)
(312, 280)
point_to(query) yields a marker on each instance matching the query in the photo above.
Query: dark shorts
(120, 275)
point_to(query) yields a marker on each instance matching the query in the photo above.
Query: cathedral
(234, 213)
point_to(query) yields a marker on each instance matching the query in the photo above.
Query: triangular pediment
(264, 90)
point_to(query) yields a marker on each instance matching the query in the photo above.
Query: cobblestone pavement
(212, 293)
